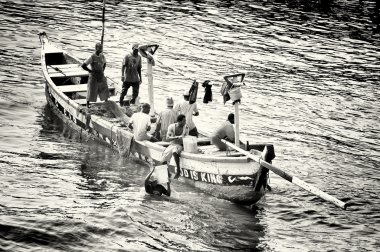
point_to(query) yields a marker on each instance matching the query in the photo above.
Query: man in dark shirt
(131, 74)
(152, 186)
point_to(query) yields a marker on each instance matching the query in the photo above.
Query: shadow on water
(52, 124)
(90, 157)
(43, 239)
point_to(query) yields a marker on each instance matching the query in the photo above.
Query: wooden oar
(103, 20)
(290, 178)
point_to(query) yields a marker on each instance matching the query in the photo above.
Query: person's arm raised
(148, 177)
(123, 69)
(169, 191)
(196, 111)
(139, 72)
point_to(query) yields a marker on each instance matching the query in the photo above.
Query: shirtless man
(176, 132)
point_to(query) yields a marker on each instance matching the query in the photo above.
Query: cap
(186, 93)
(169, 102)
(135, 46)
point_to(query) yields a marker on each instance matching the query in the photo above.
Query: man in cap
(131, 74)
(166, 117)
(97, 82)
(188, 110)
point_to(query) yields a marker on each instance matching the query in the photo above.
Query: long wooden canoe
(225, 174)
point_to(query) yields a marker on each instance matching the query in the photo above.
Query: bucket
(161, 174)
(190, 144)
(235, 93)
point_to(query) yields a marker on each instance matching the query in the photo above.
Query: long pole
(150, 86)
(103, 20)
(290, 178)
(237, 124)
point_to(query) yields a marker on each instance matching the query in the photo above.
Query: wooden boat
(228, 175)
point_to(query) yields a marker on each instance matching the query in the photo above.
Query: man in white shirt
(166, 117)
(225, 131)
(140, 123)
(188, 110)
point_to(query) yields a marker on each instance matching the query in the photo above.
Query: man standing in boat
(176, 132)
(131, 74)
(225, 131)
(97, 82)
(188, 110)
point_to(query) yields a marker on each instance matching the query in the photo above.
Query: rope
(59, 70)
(111, 80)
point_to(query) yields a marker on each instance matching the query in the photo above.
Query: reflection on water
(311, 90)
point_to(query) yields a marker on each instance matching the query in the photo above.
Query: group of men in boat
(174, 123)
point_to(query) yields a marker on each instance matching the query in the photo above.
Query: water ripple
(311, 89)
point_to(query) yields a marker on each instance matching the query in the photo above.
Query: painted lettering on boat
(216, 178)
(202, 176)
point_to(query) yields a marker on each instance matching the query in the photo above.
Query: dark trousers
(135, 90)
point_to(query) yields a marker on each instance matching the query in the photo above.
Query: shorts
(168, 152)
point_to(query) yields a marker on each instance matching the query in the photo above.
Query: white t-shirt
(140, 122)
(187, 109)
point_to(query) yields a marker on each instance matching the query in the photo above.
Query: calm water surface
(314, 95)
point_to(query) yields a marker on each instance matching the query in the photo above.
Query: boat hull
(225, 176)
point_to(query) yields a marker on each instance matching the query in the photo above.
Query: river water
(310, 90)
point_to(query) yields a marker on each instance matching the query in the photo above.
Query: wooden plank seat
(77, 88)
(66, 70)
